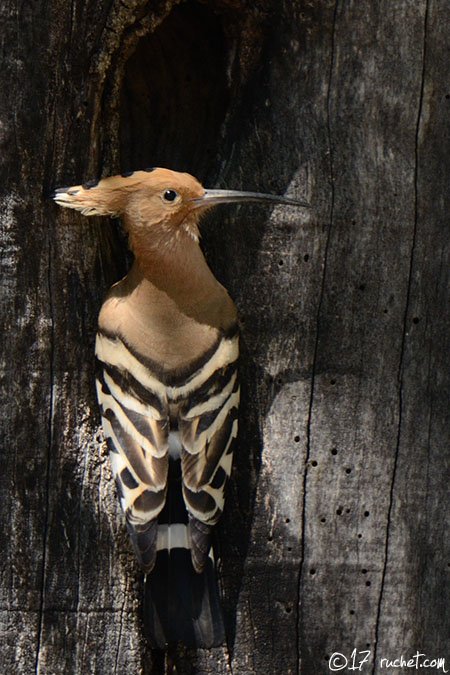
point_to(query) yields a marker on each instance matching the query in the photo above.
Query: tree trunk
(334, 535)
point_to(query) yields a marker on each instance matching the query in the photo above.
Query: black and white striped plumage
(167, 384)
(151, 418)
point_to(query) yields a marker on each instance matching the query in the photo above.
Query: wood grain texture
(335, 532)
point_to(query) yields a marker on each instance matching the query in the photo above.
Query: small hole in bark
(368, 583)
(288, 609)
(348, 471)
(339, 511)
(333, 451)
(280, 263)
(323, 520)
(385, 311)
(297, 439)
(416, 319)
(352, 611)
(447, 96)
(30, 482)
(306, 257)
(287, 520)
(366, 514)
(333, 381)
(347, 510)
(313, 463)
(312, 571)
(289, 548)
(359, 536)
(269, 538)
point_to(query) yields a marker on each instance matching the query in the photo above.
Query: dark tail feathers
(181, 605)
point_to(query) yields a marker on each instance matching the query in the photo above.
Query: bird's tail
(181, 605)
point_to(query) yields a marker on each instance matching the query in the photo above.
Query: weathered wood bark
(334, 536)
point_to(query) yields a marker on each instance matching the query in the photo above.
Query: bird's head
(158, 206)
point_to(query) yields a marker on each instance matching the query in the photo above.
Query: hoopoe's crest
(157, 191)
(167, 384)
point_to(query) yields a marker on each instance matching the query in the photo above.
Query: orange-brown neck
(173, 264)
(172, 273)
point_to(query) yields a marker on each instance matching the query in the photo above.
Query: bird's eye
(170, 195)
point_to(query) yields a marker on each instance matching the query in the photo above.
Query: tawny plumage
(167, 385)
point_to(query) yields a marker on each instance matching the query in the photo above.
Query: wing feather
(136, 424)
(208, 427)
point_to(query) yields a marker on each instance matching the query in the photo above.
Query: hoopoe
(167, 385)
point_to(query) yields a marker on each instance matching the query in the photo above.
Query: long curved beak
(213, 197)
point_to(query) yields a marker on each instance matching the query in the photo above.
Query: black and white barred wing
(208, 427)
(135, 422)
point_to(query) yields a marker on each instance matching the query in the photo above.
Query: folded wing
(135, 423)
(208, 427)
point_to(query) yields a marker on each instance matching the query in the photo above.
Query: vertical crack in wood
(79, 561)
(122, 611)
(404, 335)
(51, 411)
(319, 311)
(228, 654)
